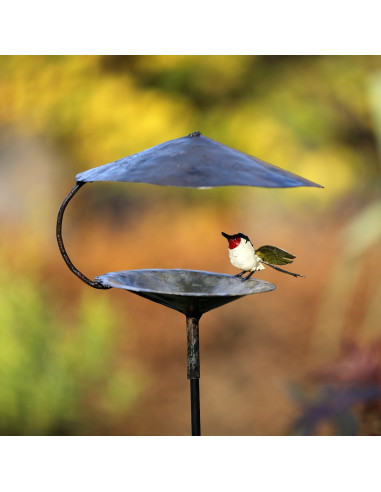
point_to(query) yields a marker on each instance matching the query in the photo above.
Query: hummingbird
(243, 256)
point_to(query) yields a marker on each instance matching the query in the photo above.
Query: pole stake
(193, 372)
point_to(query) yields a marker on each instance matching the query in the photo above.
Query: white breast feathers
(244, 257)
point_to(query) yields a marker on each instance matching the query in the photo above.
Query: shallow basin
(191, 292)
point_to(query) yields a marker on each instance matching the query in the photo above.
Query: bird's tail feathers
(284, 271)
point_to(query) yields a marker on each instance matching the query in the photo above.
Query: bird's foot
(240, 274)
(248, 276)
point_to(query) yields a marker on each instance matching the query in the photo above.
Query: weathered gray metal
(191, 292)
(193, 372)
(193, 348)
(194, 161)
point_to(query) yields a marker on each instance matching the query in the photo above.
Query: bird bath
(190, 292)
(194, 161)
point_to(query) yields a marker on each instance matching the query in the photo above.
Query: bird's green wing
(275, 256)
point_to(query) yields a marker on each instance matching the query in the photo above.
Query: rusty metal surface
(193, 349)
(190, 292)
(194, 161)
(193, 372)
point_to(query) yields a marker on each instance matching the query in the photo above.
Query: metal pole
(193, 372)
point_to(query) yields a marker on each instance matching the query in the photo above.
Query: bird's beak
(226, 235)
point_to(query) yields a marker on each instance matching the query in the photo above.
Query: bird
(243, 256)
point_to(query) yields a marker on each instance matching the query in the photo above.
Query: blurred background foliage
(78, 361)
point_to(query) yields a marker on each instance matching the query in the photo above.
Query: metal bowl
(191, 292)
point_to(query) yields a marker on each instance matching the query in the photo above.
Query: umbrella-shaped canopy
(194, 161)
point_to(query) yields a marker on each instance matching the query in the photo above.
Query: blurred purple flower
(346, 393)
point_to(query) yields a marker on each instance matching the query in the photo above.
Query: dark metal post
(193, 372)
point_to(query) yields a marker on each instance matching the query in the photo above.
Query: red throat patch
(234, 242)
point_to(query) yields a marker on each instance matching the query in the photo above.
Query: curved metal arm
(65, 256)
